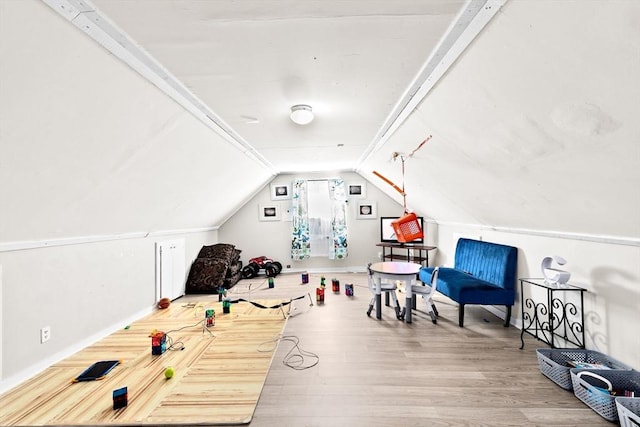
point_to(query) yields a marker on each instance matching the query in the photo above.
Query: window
(319, 210)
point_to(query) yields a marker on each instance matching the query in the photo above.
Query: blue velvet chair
(483, 273)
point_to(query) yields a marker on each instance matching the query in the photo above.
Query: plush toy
(164, 303)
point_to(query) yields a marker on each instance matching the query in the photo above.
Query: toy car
(271, 268)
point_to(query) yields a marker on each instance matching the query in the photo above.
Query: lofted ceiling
(532, 106)
(361, 65)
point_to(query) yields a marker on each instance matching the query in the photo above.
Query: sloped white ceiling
(250, 61)
(89, 147)
(536, 127)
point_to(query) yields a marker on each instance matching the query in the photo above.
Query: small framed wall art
(280, 191)
(366, 210)
(269, 212)
(357, 190)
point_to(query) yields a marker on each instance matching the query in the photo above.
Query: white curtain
(338, 196)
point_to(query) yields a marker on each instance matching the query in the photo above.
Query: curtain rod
(320, 179)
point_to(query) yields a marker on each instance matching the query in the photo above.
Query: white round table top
(394, 267)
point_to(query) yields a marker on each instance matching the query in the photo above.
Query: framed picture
(366, 210)
(357, 190)
(280, 191)
(388, 234)
(269, 212)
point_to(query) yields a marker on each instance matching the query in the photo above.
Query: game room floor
(335, 366)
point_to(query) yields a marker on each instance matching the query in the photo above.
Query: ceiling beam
(85, 16)
(466, 27)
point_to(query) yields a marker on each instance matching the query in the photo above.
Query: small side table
(554, 318)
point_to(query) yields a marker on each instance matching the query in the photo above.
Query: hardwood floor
(387, 373)
(219, 372)
(373, 372)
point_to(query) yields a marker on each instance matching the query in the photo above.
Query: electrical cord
(295, 308)
(296, 358)
(282, 304)
(179, 345)
(236, 291)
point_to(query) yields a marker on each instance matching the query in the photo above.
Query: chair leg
(435, 310)
(371, 306)
(461, 316)
(430, 311)
(507, 317)
(399, 312)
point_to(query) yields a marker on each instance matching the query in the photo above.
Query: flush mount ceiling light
(301, 114)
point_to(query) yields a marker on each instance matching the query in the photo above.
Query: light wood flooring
(387, 373)
(384, 372)
(219, 372)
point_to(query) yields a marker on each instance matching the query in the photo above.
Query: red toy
(271, 268)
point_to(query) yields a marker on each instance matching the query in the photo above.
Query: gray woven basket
(591, 391)
(628, 411)
(553, 363)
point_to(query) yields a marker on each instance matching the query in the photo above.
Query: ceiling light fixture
(301, 114)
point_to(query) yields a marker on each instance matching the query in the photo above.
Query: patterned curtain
(300, 239)
(338, 196)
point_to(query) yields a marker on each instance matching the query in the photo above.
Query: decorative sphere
(168, 373)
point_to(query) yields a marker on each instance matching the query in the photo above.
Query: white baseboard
(501, 314)
(356, 269)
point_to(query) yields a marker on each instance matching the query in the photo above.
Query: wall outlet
(45, 334)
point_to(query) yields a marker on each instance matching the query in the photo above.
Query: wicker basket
(628, 411)
(407, 228)
(553, 363)
(591, 385)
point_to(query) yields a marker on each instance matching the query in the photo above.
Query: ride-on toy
(271, 268)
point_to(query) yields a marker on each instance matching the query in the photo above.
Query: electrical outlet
(45, 334)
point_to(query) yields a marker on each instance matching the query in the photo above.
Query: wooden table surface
(218, 376)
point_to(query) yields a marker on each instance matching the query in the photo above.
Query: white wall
(1, 349)
(609, 272)
(82, 291)
(96, 165)
(273, 239)
(535, 135)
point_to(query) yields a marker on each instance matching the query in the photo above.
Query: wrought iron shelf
(558, 319)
